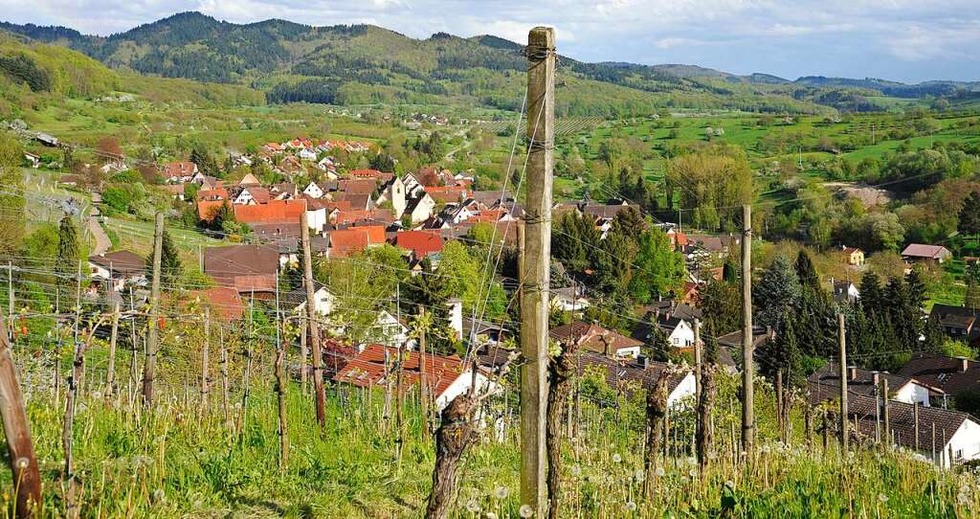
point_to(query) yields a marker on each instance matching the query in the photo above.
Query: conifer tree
(68, 256)
(776, 292)
(660, 347)
(969, 216)
(805, 271)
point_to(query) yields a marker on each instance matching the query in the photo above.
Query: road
(102, 242)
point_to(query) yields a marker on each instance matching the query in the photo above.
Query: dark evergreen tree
(205, 161)
(805, 271)
(871, 294)
(933, 334)
(630, 223)
(67, 266)
(777, 291)
(969, 216)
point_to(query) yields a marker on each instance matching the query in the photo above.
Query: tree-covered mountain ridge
(362, 64)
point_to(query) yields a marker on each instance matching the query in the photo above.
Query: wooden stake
(205, 357)
(149, 367)
(698, 354)
(17, 430)
(534, 276)
(656, 417)
(423, 383)
(842, 343)
(748, 363)
(110, 377)
(884, 397)
(281, 386)
(320, 397)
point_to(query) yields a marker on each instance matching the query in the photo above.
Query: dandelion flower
(660, 472)
(501, 492)
(473, 507)
(631, 506)
(526, 511)
(617, 458)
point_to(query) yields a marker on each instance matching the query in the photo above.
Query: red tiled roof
(593, 337)
(225, 300)
(422, 243)
(376, 233)
(358, 187)
(244, 267)
(446, 194)
(179, 169)
(274, 211)
(207, 208)
(346, 241)
(367, 369)
(212, 194)
(365, 173)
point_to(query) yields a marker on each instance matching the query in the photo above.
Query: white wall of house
(568, 304)
(911, 393)
(388, 331)
(682, 336)
(423, 210)
(964, 444)
(323, 302)
(462, 384)
(244, 198)
(632, 352)
(683, 390)
(118, 282)
(317, 219)
(313, 191)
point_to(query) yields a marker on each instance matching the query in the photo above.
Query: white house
(462, 384)
(824, 384)
(389, 331)
(313, 190)
(569, 299)
(323, 300)
(118, 268)
(244, 198)
(317, 219)
(680, 333)
(307, 154)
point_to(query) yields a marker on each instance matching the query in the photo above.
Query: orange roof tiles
(367, 369)
(422, 243)
(346, 241)
(274, 211)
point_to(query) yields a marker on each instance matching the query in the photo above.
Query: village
(350, 211)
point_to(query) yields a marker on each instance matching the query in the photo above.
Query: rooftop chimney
(964, 364)
(646, 363)
(875, 377)
(852, 372)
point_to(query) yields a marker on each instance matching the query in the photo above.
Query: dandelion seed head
(22, 463)
(693, 473)
(631, 506)
(473, 507)
(526, 511)
(638, 475)
(491, 515)
(501, 492)
(961, 498)
(730, 484)
(660, 472)
(159, 495)
(617, 458)
(883, 498)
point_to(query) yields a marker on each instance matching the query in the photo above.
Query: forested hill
(357, 64)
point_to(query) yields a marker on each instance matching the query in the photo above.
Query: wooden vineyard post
(205, 359)
(110, 377)
(842, 344)
(149, 367)
(320, 397)
(748, 367)
(17, 430)
(534, 273)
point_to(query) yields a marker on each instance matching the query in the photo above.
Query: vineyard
(220, 456)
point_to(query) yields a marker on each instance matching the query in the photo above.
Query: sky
(901, 40)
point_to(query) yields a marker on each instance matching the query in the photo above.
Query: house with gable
(629, 375)
(918, 252)
(583, 336)
(180, 172)
(824, 384)
(323, 300)
(118, 268)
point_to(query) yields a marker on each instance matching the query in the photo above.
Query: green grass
(170, 461)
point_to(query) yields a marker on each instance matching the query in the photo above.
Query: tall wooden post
(205, 359)
(423, 382)
(884, 400)
(843, 381)
(153, 331)
(110, 377)
(320, 397)
(748, 362)
(17, 431)
(698, 359)
(535, 270)
(281, 386)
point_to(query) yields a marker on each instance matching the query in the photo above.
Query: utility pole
(534, 271)
(843, 382)
(152, 330)
(320, 398)
(748, 368)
